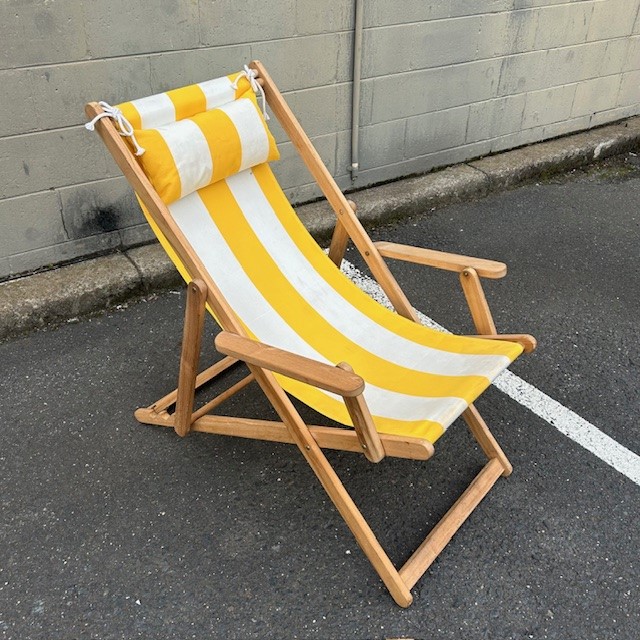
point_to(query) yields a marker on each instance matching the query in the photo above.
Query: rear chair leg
(191, 340)
(339, 240)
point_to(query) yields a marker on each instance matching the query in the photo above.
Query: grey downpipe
(355, 96)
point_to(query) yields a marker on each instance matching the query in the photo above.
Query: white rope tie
(251, 75)
(124, 125)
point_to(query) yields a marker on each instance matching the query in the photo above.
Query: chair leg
(334, 487)
(338, 245)
(191, 341)
(485, 439)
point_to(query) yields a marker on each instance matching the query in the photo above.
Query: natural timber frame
(264, 360)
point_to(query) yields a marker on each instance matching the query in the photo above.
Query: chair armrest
(528, 343)
(318, 374)
(442, 260)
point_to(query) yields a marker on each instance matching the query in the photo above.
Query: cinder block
(319, 60)
(515, 139)
(5, 269)
(595, 95)
(422, 164)
(468, 7)
(41, 32)
(39, 161)
(629, 89)
(562, 25)
(530, 71)
(548, 106)
(99, 207)
(612, 19)
(225, 22)
(323, 17)
(422, 45)
(494, 118)
(523, 72)
(17, 104)
(382, 12)
(616, 54)
(436, 131)
(506, 33)
(322, 110)
(136, 235)
(570, 125)
(122, 26)
(30, 222)
(613, 115)
(632, 57)
(58, 253)
(382, 144)
(410, 94)
(303, 193)
(60, 92)
(172, 69)
(291, 171)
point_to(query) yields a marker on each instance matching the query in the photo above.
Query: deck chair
(198, 159)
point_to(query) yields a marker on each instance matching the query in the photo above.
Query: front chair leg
(480, 312)
(191, 340)
(485, 439)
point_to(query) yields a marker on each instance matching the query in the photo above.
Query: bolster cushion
(184, 156)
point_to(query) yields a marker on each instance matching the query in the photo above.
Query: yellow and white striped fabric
(287, 293)
(200, 134)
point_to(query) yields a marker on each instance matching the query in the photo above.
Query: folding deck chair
(197, 158)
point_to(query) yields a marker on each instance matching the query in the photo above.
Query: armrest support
(318, 374)
(442, 260)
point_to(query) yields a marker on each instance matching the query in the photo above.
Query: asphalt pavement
(111, 529)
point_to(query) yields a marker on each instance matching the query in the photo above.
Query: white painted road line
(566, 421)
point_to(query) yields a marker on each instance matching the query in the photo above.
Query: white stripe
(571, 424)
(217, 92)
(190, 152)
(252, 132)
(338, 311)
(566, 421)
(155, 111)
(194, 220)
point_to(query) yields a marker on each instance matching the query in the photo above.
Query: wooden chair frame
(263, 360)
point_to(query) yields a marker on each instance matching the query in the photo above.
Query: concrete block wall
(443, 82)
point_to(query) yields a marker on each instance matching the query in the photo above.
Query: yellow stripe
(157, 162)
(310, 325)
(223, 140)
(188, 101)
(391, 321)
(131, 114)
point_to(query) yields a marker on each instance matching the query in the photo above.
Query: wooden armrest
(318, 374)
(442, 260)
(529, 343)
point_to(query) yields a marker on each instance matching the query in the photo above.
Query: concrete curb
(98, 283)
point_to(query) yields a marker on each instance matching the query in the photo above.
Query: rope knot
(252, 76)
(124, 126)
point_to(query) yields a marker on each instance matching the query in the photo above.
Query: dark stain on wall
(89, 211)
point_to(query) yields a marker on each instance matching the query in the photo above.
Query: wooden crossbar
(274, 431)
(440, 535)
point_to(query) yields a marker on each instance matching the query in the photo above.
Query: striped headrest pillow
(197, 135)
